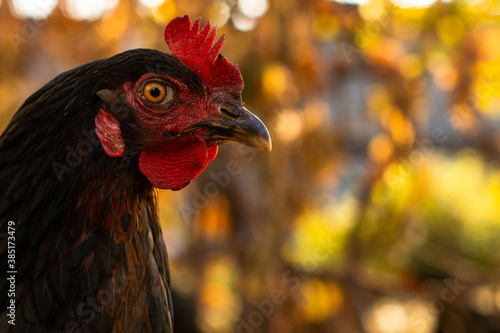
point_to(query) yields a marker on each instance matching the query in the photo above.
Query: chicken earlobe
(107, 127)
(108, 131)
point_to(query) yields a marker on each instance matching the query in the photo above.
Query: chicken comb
(196, 49)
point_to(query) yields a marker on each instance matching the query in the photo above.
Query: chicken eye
(156, 92)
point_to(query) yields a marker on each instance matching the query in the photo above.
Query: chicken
(79, 163)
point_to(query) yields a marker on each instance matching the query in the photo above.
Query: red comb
(196, 49)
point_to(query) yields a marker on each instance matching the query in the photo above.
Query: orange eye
(155, 92)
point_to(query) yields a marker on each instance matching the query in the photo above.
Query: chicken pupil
(155, 92)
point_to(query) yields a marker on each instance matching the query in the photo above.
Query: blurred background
(378, 209)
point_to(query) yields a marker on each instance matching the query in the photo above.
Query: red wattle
(174, 164)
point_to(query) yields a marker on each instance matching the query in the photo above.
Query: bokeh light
(242, 22)
(220, 13)
(253, 8)
(88, 9)
(35, 9)
(353, 2)
(163, 13)
(393, 316)
(414, 3)
(151, 3)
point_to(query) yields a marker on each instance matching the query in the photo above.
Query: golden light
(464, 187)
(320, 236)
(390, 317)
(352, 2)
(478, 4)
(112, 27)
(213, 223)
(289, 125)
(320, 299)
(277, 82)
(316, 114)
(450, 29)
(275, 79)
(219, 13)
(483, 300)
(219, 305)
(325, 27)
(88, 9)
(151, 3)
(373, 10)
(487, 35)
(486, 91)
(165, 12)
(242, 22)
(380, 148)
(497, 298)
(400, 127)
(410, 66)
(461, 116)
(395, 316)
(444, 73)
(253, 8)
(378, 100)
(34, 9)
(413, 3)
(383, 50)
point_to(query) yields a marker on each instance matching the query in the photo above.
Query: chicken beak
(239, 125)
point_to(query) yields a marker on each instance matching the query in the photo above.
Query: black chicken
(78, 165)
